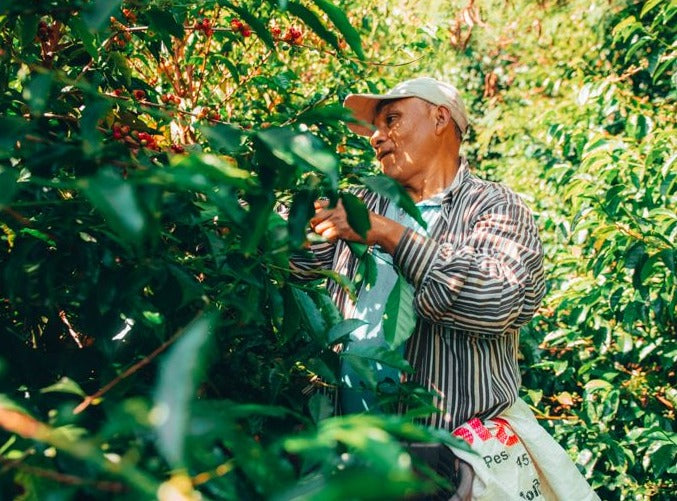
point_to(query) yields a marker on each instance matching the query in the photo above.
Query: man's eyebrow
(384, 106)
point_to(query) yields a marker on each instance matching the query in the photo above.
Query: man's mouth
(383, 154)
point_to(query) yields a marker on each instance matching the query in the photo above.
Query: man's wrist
(385, 232)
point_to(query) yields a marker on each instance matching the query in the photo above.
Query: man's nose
(377, 138)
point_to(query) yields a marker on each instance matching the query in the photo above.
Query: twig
(89, 399)
(541, 415)
(24, 221)
(251, 75)
(204, 61)
(304, 110)
(220, 471)
(64, 478)
(74, 334)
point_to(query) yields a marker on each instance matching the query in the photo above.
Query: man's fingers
(321, 203)
(322, 226)
(330, 234)
(318, 218)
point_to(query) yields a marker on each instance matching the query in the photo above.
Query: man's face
(403, 137)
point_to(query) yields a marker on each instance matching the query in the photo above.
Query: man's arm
(319, 256)
(487, 282)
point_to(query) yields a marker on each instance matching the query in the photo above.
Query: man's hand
(332, 224)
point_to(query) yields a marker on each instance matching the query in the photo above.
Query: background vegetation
(154, 344)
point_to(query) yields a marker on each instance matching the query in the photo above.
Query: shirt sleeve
(487, 281)
(305, 264)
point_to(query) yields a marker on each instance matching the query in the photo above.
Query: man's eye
(390, 119)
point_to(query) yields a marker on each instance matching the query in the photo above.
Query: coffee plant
(158, 166)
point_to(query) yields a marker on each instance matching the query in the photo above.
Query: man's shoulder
(491, 193)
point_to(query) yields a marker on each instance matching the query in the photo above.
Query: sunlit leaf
(340, 20)
(64, 385)
(399, 318)
(314, 22)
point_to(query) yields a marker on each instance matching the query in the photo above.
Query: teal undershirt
(370, 307)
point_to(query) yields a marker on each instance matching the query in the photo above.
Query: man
(475, 269)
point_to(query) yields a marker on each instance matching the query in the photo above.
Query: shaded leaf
(119, 203)
(320, 407)
(357, 213)
(180, 372)
(163, 22)
(343, 329)
(8, 178)
(225, 138)
(97, 13)
(395, 192)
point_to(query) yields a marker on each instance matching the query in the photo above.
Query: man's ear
(442, 119)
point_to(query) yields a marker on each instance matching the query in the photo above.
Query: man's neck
(436, 178)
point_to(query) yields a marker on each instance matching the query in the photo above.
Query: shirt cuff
(414, 255)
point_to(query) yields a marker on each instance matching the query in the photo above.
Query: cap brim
(363, 107)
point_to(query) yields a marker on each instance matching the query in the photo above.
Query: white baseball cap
(439, 93)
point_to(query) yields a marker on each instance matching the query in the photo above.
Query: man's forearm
(384, 232)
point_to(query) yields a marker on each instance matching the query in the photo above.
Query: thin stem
(133, 369)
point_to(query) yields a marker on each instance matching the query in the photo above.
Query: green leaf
(225, 138)
(399, 318)
(8, 178)
(28, 27)
(343, 329)
(648, 6)
(333, 113)
(256, 221)
(37, 92)
(340, 20)
(625, 28)
(11, 131)
(357, 213)
(180, 372)
(98, 12)
(320, 407)
(379, 354)
(302, 209)
(301, 149)
(65, 385)
(395, 192)
(311, 316)
(92, 138)
(119, 203)
(257, 26)
(83, 34)
(314, 22)
(39, 235)
(367, 271)
(164, 24)
(663, 458)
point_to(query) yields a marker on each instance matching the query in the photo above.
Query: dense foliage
(154, 339)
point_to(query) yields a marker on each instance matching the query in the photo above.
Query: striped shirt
(478, 277)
